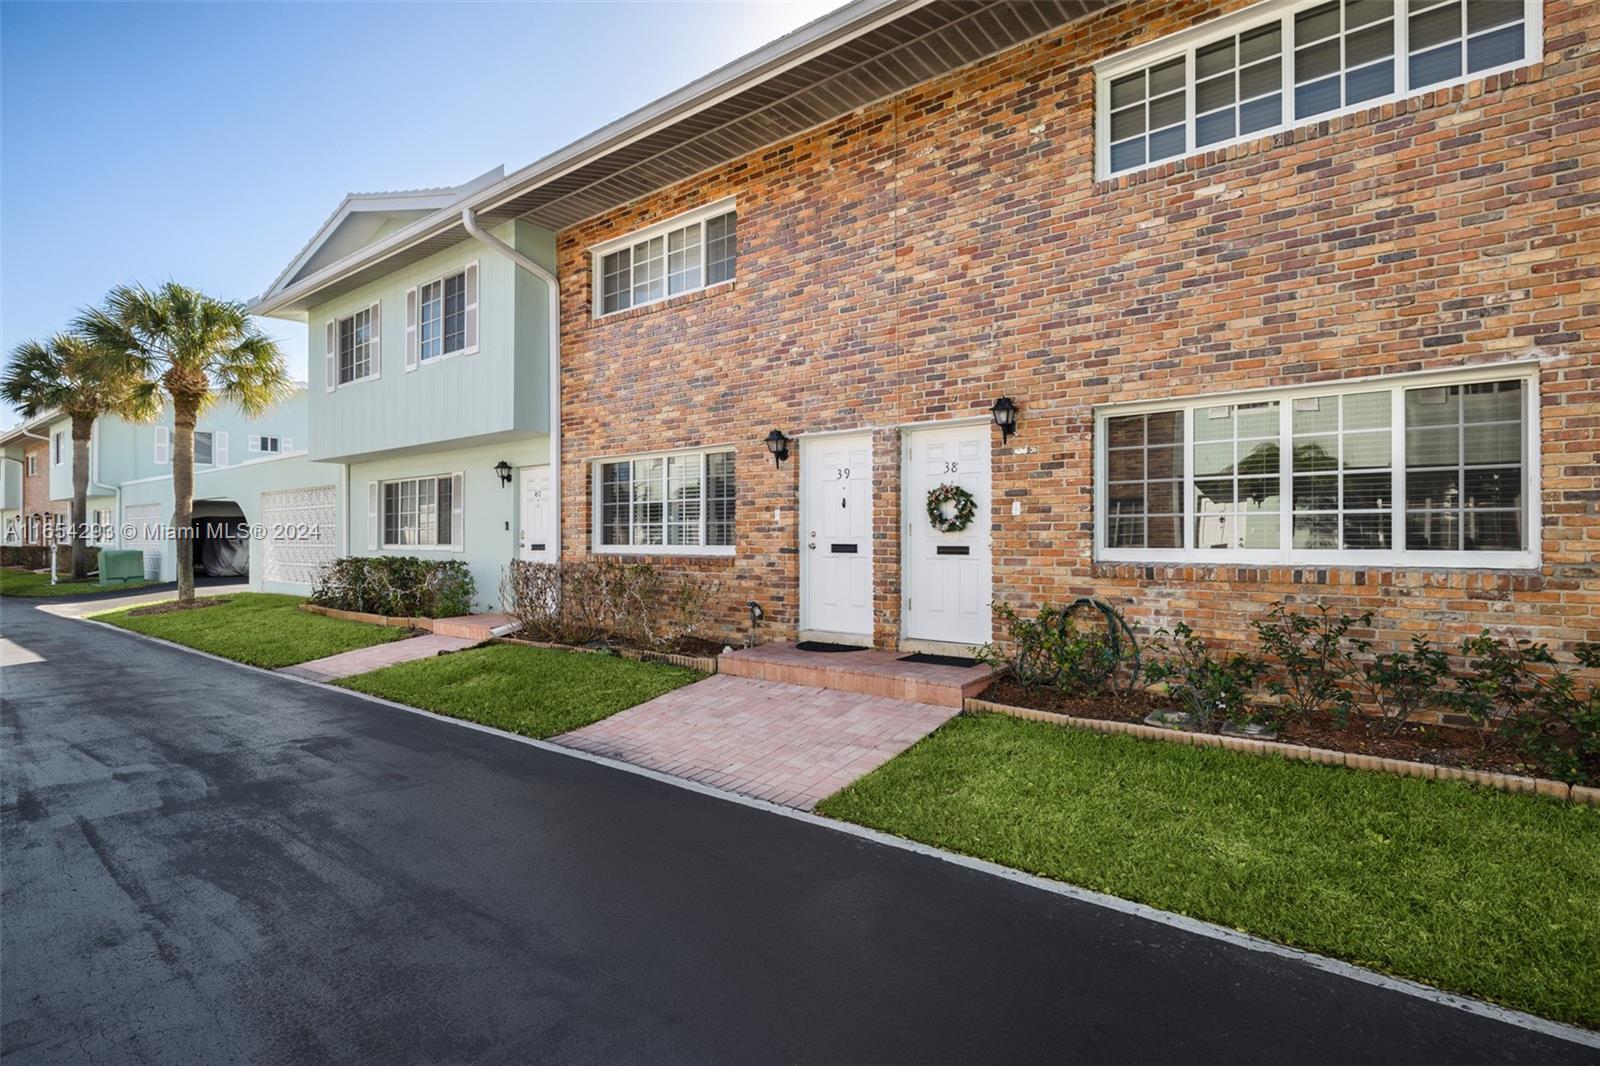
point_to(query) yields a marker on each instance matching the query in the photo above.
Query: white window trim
(597, 499)
(469, 349)
(598, 252)
(375, 351)
(1186, 43)
(194, 437)
(1285, 555)
(58, 448)
(454, 548)
(33, 464)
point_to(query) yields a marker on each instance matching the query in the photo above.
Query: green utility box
(121, 566)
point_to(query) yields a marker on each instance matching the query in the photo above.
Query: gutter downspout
(552, 288)
(94, 483)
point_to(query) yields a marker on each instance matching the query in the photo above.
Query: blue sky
(206, 142)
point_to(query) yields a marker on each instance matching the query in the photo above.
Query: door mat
(824, 646)
(930, 659)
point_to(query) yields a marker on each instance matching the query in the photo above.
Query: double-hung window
(353, 346)
(1422, 470)
(1277, 65)
(204, 448)
(690, 252)
(33, 464)
(417, 512)
(676, 504)
(442, 316)
(57, 447)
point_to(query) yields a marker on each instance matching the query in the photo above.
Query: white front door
(947, 584)
(536, 538)
(836, 535)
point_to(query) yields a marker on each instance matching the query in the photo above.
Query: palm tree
(197, 350)
(68, 374)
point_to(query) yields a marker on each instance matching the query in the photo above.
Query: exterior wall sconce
(1004, 413)
(778, 445)
(503, 470)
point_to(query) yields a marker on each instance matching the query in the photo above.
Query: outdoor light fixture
(503, 469)
(778, 445)
(1005, 416)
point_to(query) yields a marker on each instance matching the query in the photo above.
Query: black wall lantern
(503, 469)
(1005, 416)
(778, 445)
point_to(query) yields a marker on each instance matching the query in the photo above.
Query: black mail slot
(536, 547)
(845, 549)
(954, 549)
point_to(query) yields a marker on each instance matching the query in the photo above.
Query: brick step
(870, 672)
(471, 626)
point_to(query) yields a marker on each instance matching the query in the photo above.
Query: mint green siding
(489, 511)
(496, 394)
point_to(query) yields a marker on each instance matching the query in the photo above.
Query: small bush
(1400, 684)
(1526, 696)
(602, 599)
(1315, 655)
(401, 586)
(1213, 690)
(1082, 648)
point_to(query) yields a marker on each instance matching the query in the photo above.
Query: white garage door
(144, 521)
(300, 535)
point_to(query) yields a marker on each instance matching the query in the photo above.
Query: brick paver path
(790, 744)
(378, 656)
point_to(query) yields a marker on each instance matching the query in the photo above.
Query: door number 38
(951, 465)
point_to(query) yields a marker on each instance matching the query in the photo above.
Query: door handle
(812, 545)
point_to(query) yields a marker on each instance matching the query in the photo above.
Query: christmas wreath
(966, 508)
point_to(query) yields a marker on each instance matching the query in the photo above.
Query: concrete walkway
(363, 660)
(791, 744)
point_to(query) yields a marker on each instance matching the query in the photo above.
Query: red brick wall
(36, 494)
(913, 260)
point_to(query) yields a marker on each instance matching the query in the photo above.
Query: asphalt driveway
(208, 864)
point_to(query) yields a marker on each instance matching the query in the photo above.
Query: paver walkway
(791, 744)
(378, 656)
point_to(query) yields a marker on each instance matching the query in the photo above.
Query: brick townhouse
(1252, 356)
(39, 511)
(1298, 298)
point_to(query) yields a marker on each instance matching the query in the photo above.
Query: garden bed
(1437, 745)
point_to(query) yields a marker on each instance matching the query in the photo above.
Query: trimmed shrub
(1214, 690)
(1081, 649)
(1313, 656)
(401, 586)
(582, 601)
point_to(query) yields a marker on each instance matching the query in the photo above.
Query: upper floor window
(675, 504)
(442, 317)
(352, 341)
(33, 464)
(1395, 473)
(204, 448)
(689, 252)
(57, 447)
(1280, 64)
(269, 445)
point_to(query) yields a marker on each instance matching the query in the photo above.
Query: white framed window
(267, 445)
(692, 251)
(204, 448)
(442, 317)
(352, 350)
(33, 464)
(1404, 470)
(57, 447)
(420, 512)
(678, 503)
(1284, 63)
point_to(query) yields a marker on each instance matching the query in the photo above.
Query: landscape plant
(70, 375)
(1315, 660)
(195, 351)
(1212, 689)
(1400, 684)
(1081, 649)
(1520, 693)
(400, 586)
(601, 599)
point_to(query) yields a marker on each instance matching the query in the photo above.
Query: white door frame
(807, 513)
(912, 511)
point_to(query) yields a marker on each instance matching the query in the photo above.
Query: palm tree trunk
(82, 429)
(184, 416)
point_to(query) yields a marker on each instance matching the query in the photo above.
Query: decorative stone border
(392, 622)
(1404, 767)
(704, 664)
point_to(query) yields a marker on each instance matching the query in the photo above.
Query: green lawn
(258, 628)
(15, 581)
(1481, 892)
(537, 692)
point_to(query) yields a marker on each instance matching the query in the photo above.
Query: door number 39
(841, 473)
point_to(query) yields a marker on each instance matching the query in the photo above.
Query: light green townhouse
(255, 489)
(430, 400)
